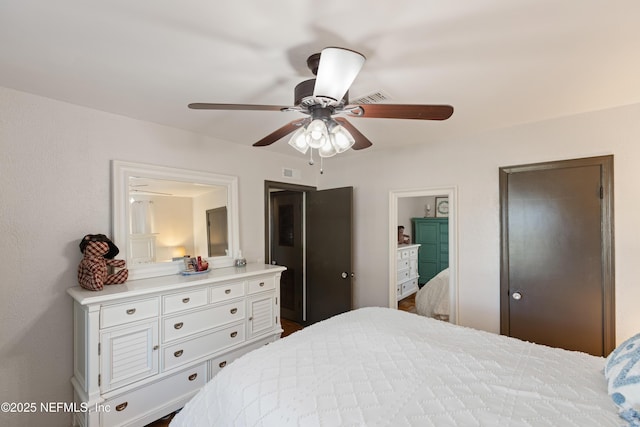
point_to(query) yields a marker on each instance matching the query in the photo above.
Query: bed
(384, 367)
(432, 300)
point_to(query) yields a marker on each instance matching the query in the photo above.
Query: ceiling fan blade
(279, 133)
(361, 140)
(403, 111)
(337, 70)
(208, 106)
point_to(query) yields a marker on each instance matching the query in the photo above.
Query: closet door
(556, 273)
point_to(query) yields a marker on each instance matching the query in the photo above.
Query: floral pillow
(622, 371)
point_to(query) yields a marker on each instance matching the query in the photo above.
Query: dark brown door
(329, 245)
(556, 275)
(287, 250)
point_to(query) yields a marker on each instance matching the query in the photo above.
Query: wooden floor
(162, 422)
(289, 328)
(408, 304)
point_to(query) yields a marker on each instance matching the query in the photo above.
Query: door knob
(516, 295)
(344, 275)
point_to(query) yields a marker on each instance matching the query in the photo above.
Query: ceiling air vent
(372, 98)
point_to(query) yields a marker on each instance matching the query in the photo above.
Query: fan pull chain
(321, 165)
(311, 162)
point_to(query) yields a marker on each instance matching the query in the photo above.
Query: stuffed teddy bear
(92, 271)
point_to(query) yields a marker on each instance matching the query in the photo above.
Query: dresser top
(408, 245)
(139, 287)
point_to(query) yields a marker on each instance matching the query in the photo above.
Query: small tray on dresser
(191, 273)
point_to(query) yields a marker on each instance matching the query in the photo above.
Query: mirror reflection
(172, 219)
(161, 214)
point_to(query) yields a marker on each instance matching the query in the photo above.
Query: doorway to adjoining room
(426, 253)
(309, 231)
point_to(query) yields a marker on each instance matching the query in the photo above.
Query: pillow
(622, 371)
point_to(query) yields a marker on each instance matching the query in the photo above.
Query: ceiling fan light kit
(325, 96)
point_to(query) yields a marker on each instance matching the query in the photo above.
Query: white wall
(414, 207)
(410, 207)
(471, 164)
(55, 188)
(171, 227)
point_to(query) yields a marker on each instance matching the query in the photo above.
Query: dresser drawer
(119, 314)
(413, 253)
(218, 363)
(227, 291)
(184, 352)
(186, 324)
(132, 406)
(403, 275)
(184, 300)
(403, 264)
(410, 286)
(404, 254)
(261, 284)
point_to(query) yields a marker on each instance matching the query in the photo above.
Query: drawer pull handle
(193, 377)
(155, 347)
(186, 300)
(121, 407)
(227, 291)
(261, 284)
(131, 311)
(178, 353)
(234, 310)
(222, 364)
(251, 318)
(178, 325)
(234, 334)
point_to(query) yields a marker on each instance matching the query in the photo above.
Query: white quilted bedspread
(383, 367)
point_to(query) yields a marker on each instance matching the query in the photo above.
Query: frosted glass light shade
(337, 70)
(327, 149)
(298, 140)
(341, 139)
(316, 134)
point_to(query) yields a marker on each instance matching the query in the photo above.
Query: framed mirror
(162, 214)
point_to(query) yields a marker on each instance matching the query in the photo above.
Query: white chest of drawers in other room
(144, 348)
(407, 269)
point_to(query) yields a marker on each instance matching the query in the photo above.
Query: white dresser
(144, 348)
(407, 280)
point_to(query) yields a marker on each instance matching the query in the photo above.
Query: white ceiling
(498, 62)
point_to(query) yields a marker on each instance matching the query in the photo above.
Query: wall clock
(442, 207)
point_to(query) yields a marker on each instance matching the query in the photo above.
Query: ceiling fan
(325, 101)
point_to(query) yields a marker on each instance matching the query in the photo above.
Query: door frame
(452, 194)
(607, 239)
(269, 187)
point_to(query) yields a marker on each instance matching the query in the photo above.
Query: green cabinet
(433, 236)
